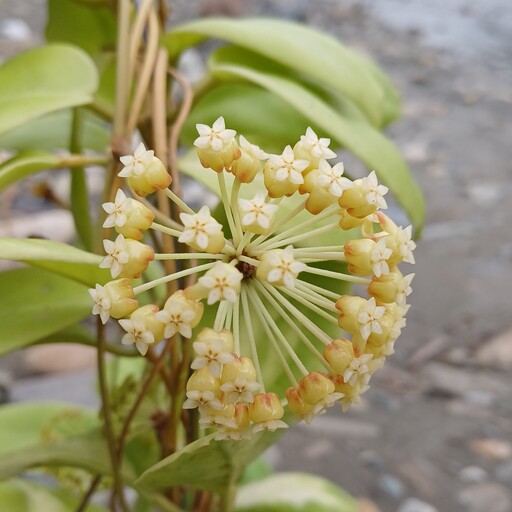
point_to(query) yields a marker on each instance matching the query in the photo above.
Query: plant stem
(84, 502)
(140, 397)
(107, 416)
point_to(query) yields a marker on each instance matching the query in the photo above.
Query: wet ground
(435, 432)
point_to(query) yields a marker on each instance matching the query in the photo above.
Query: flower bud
(265, 408)
(249, 163)
(313, 149)
(222, 282)
(213, 350)
(219, 417)
(138, 219)
(256, 215)
(147, 314)
(241, 366)
(349, 308)
(315, 388)
(203, 380)
(279, 267)
(364, 197)
(358, 254)
(202, 232)
(392, 287)
(115, 299)
(139, 257)
(339, 354)
(324, 185)
(298, 406)
(144, 171)
(283, 173)
(216, 146)
(180, 314)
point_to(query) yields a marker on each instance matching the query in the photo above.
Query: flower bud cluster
(258, 252)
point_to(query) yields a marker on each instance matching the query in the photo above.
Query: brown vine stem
(107, 417)
(148, 66)
(89, 493)
(138, 401)
(176, 128)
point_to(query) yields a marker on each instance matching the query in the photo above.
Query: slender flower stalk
(259, 273)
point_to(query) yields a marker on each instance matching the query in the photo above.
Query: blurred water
(479, 30)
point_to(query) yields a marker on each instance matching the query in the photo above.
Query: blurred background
(435, 431)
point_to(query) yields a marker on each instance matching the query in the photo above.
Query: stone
(493, 449)
(497, 352)
(472, 474)
(485, 497)
(504, 473)
(415, 505)
(59, 357)
(391, 485)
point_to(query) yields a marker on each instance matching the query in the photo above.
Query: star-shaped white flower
(283, 267)
(135, 165)
(256, 211)
(176, 319)
(117, 211)
(252, 149)
(358, 367)
(287, 168)
(137, 333)
(223, 282)
(117, 255)
(212, 355)
(405, 244)
(368, 318)
(374, 192)
(240, 389)
(321, 406)
(102, 303)
(380, 256)
(199, 228)
(403, 289)
(332, 178)
(216, 137)
(319, 148)
(203, 400)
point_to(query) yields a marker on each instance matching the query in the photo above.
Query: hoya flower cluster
(258, 271)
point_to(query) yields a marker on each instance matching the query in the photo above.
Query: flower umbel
(256, 273)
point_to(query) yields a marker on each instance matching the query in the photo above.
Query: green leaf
(91, 27)
(38, 303)
(294, 492)
(18, 495)
(44, 80)
(307, 51)
(207, 464)
(58, 257)
(53, 131)
(24, 164)
(25, 425)
(359, 137)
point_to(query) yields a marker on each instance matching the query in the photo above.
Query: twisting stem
(89, 493)
(174, 135)
(140, 397)
(147, 70)
(107, 416)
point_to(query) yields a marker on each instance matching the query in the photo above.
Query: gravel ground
(435, 431)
